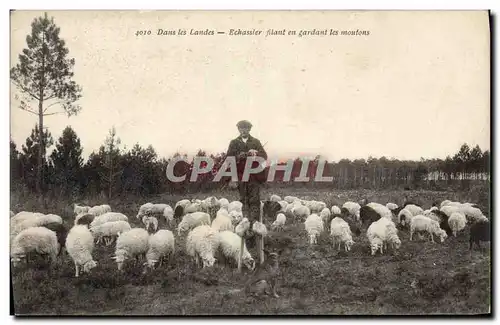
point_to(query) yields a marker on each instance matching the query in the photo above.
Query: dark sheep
(368, 215)
(61, 233)
(443, 221)
(178, 212)
(86, 219)
(479, 231)
(270, 210)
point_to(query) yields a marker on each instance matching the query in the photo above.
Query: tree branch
(28, 110)
(46, 108)
(17, 84)
(53, 113)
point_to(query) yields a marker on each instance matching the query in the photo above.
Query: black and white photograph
(224, 162)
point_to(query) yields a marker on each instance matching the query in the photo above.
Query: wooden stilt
(261, 244)
(240, 259)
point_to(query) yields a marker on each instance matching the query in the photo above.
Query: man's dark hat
(243, 124)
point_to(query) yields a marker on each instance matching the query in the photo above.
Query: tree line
(114, 170)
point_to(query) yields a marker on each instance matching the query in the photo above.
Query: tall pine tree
(43, 76)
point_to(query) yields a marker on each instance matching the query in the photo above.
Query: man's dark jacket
(236, 146)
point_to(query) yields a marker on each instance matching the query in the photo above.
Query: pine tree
(67, 160)
(43, 76)
(111, 167)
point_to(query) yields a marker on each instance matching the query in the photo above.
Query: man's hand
(252, 152)
(242, 155)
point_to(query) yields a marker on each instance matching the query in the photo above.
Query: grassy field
(421, 278)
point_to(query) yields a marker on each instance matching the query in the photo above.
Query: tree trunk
(41, 148)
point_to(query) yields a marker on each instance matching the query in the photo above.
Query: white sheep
(201, 243)
(80, 245)
(143, 209)
(382, 210)
(156, 209)
(99, 209)
(279, 223)
(423, 223)
(222, 222)
(414, 209)
(168, 214)
(473, 214)
(109, 231)
(36, 220)
(150, 221)
(335, 210)
(449, 209)
(340, 233)
(133, 243)
(242, 228)
(224, 203)
(353, 208)
(192, 220)
(78, 209)
(259, 228)
(457, 222)
(229, 244)
(161, 247)
(183, 203)
(380, 233)
(193, 207)
(236, 216)
(275, 198)
(404, 217)
(444, 203)
(38, 240)
(391, 206)
(314, 227)
(283, 205)
(290, 199)
(235, 206)
(325, 215)
(108, 217)
(301, 212)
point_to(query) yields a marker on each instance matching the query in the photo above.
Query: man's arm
(261, 152)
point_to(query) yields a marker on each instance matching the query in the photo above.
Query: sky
(417, 86)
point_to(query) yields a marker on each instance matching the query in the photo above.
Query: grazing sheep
(224, 203)
(38, 240)
(235, 216)
(143, 209)
(109, 231)
(290, 199)
(315, 206)
(283, 205)
(314, 227)
(242, 228)
(229, 244)
(235, 206)
(279, 223)
(275, 198)
(201, 243)
(36, 220)
(391, 206)
(133, 243)
(326, 215)
(61, 233)
(380, 233)
(448, 210)
(78, 209)
(99, 209)
(168, 214)
(161, 246)
(222, 222)
(108, 217)
(444, 203)
(479, 231)
(457, 222)
(150, 222)
(85, 219)
(80, 244)
(472, 214)
(259, 228)
(301, 212)
(335, 210)
(340, 233)
(192, 220)
(270, 209)
(382, 210)
(367, 215)
(404, 217)
(414, 209)
(423, 223)
(353, 209)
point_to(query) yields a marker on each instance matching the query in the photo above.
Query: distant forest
(115, 170)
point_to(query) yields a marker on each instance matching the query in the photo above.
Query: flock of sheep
(217, 226)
